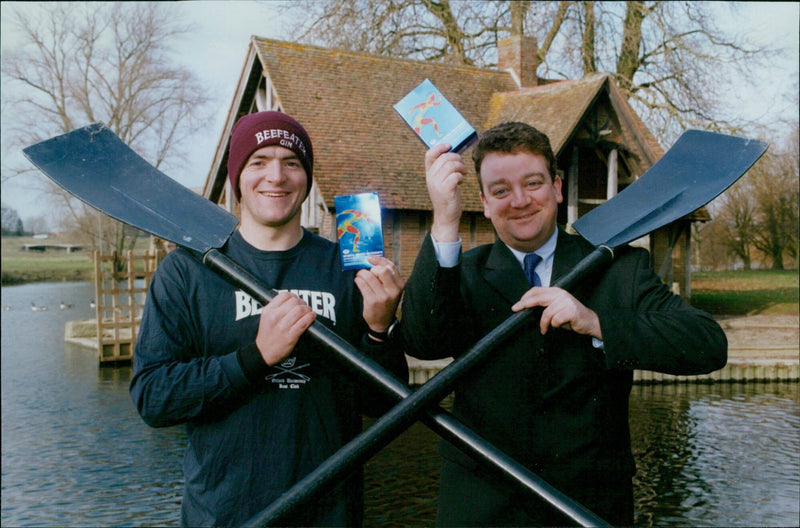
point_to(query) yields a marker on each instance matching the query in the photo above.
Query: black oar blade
(692, 173)
(93, 164)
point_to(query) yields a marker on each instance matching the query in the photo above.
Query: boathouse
(345, 100)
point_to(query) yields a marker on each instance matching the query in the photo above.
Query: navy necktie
(531, 260)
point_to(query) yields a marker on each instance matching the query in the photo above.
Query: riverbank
(56, 259)
(759, 337)
(758, 310)
(760, 348)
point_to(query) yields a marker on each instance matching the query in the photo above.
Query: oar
(53, 158)
(693, 172)
(94, 165)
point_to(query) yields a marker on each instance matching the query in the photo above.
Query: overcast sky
(221, 31)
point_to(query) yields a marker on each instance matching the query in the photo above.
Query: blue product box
(434, 119)
(358, 227)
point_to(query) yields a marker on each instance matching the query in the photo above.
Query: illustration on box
(434, 119)
(358, 227)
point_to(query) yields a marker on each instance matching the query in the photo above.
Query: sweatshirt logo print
(288, 375)
(323, 303)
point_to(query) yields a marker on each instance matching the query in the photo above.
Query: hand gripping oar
(694, 171)
(98, 168)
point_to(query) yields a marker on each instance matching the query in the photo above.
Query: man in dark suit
(555, 397)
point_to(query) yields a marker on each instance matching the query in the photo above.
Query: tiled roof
(345, 100)
(555, 108)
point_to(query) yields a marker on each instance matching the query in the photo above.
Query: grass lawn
(29, 266)
(717, 292)
(746, 292)
(20, 267)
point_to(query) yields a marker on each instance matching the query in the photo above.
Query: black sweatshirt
(254, 430)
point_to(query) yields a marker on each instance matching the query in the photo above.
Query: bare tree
(774, 182)
(11, 223)
(36, 224)
(458, 33)
(734, 226)
(756, 220)
(675, 65)
(95, 62)
(669, 58)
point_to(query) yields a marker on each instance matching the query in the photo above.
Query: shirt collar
(546, 251)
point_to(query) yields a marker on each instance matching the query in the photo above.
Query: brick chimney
(518, 54)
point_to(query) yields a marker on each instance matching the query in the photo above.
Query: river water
(75, 453)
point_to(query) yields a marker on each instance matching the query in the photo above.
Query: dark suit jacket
(555, 403)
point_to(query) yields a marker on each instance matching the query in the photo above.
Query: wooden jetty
(121, 283)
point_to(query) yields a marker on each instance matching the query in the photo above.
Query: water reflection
(75, 453)
(724, 454)
(710, 455)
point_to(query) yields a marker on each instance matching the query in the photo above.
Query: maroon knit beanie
(254, 131)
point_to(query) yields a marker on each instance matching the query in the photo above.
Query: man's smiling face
(274, 185)
(520, 197)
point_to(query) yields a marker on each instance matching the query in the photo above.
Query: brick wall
(404, 232)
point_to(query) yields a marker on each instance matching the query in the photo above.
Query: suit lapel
(568, 253)
(504, 273)
(570, 250)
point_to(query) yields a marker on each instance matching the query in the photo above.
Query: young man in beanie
(263, 405)
(555, 397)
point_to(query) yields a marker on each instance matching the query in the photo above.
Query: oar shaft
(391, 424)
(440, 421)
(92, 162)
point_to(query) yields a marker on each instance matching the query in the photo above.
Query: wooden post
(611, 185)
(686, 283)
(572, 188)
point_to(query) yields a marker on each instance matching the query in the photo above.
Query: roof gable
(559, 108)
(555, 108)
